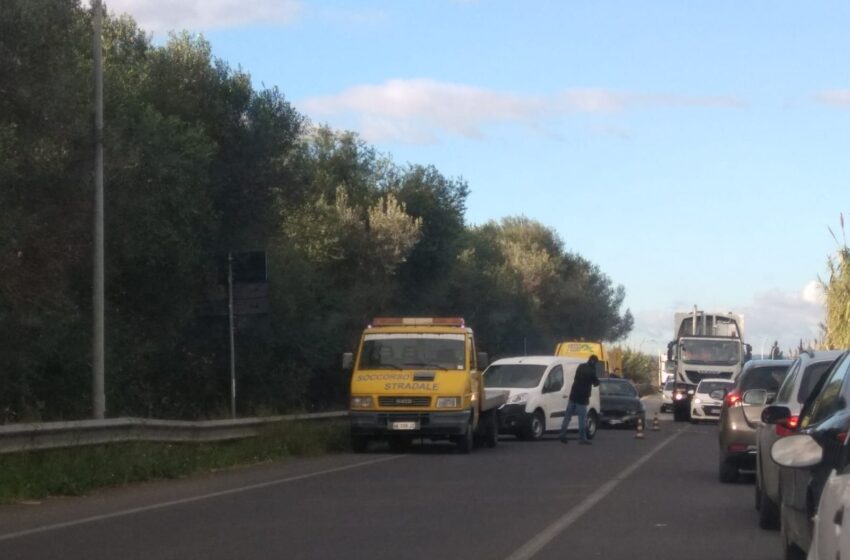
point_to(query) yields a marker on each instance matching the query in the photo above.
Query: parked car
(620, 403)
(708, 399)
(741, 415)
(831, 531)
(803, 375)
(539, 387)
(667, 395)
(807, 459)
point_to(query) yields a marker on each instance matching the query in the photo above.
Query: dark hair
(592, 359)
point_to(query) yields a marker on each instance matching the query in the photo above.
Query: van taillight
(733, 399)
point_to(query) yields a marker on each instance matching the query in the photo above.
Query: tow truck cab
(415, 377)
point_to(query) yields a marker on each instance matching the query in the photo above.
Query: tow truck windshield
(408, 351)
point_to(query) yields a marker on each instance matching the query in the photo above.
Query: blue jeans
(581, 410)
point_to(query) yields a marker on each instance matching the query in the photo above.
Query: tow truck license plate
(404, 425)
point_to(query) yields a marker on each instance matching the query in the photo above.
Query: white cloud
(786, 317)
(834, 97)
(156, 15)
(417, 110)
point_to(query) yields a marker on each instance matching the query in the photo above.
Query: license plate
(404, 426)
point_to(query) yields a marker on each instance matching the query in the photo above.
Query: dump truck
(707, 345)
(420, 378)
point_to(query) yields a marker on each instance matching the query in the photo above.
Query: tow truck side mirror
(483, 361)
(670, 351)
(347, 361)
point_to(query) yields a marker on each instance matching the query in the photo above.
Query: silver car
(806, 371)
(741, 415)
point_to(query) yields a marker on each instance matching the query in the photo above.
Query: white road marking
(547, 535)
(162, 505)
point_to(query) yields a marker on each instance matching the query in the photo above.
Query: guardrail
(48, 435)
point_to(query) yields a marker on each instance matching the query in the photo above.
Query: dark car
(620, 403)
(825, 419)
(741, 415)
(805, 373)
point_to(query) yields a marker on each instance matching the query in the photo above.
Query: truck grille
(696, 376)
(404, 401)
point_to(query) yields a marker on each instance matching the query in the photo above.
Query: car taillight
(733, 399)
(787, 427)
(842, 437)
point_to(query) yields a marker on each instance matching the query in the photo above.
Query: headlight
(448, 402)
(697, 400)
(361, 402)
(518, 398)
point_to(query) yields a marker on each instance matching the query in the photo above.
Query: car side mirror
(348, 361)
(775, 414)
(483, 361)
(755, 397)
(797, 451)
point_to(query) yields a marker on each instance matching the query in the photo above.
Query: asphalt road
(654, 498)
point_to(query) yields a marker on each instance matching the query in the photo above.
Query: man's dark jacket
(584, 381)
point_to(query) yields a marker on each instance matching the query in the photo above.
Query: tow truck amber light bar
(418, 321)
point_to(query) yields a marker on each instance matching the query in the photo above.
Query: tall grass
(837, 291)
(75, 471)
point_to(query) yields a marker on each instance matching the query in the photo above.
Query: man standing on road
(584, 381)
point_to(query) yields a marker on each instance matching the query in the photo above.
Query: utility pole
(232, 329)
(98, 359)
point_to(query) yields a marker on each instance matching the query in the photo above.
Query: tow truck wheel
(359, 444)
(464, 443)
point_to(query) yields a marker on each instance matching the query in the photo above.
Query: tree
(837, 290)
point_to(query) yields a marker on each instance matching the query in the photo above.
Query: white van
(539, 387)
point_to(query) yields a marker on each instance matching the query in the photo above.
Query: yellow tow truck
(610, 363)
(420, 377)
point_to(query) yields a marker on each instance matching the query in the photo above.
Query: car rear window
(768, 378)
(707, 387)
(811, 376)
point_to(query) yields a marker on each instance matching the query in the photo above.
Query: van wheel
(591, 424)
(537, 426)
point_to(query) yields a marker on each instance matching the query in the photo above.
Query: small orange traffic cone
(639, 429)
(656, 424)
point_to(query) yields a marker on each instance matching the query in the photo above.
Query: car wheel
(757, 495)
(768, 513)
(790, 551)
(727, 471)
(591, 424)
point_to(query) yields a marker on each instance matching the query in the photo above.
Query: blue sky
(696, 151)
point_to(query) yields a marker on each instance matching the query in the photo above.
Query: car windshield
(407, 351)
(711, 352)
(519, 376)
(707, 387)
(617, 389)
(768, 378)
